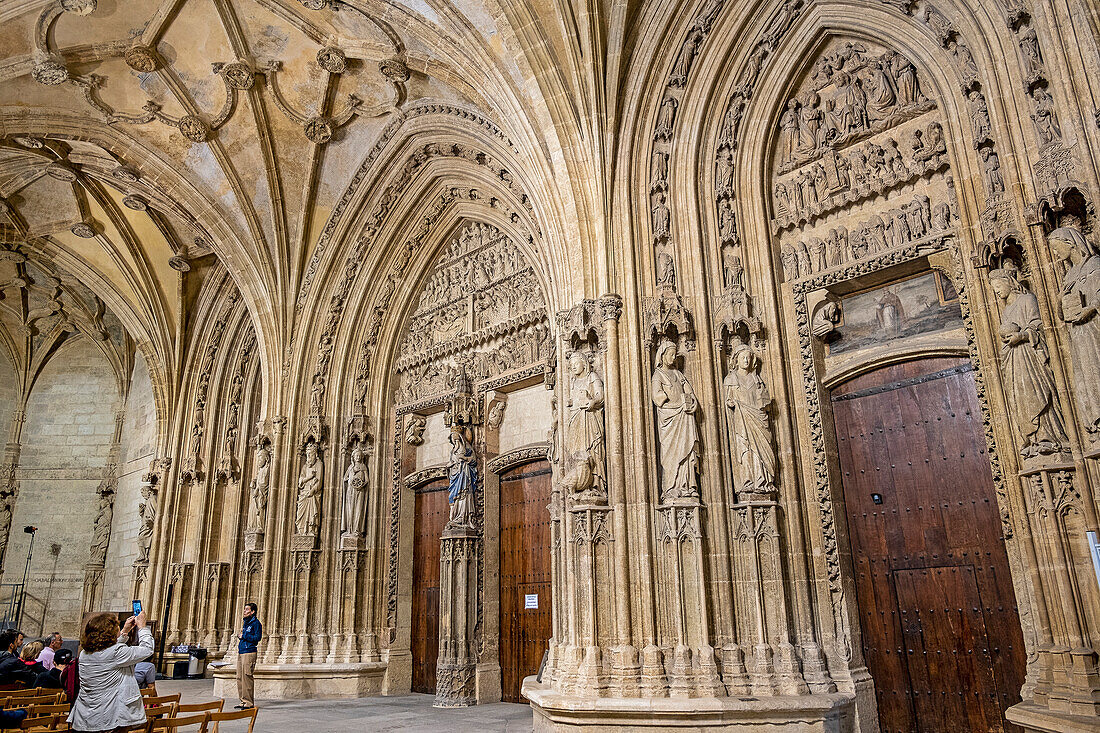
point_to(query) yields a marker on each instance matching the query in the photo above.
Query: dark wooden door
(941, 631)
(524, 574)
(431, 515)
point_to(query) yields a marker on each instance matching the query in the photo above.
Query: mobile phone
(137, 607)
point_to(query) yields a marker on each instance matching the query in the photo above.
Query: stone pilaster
(458, 583)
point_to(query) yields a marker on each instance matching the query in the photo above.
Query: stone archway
(472, 371)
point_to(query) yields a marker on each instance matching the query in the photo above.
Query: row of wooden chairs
(18, 699)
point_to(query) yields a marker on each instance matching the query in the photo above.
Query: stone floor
(405, 713)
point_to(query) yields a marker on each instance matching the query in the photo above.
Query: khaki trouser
(246, 665)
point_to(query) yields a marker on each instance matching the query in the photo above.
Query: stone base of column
(556, 713)
(1035, 719)
(306, 681)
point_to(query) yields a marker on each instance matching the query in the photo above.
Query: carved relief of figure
(666, 269)
(1028, 378)
(750, 436)
(809, 124)
(307, 509)
(803, 254)
(788, 125)
(723, 175)
(941, 217)
(659, 172)
(584, 429)
(727, 221)
(817, 253)
(354, 516)
(677, 434)
(905, 81)
(852, 115)
(1029, 47)
(665, 118)
(257, 490)
(1080, 303)
(496, 415)
(968, 70)
(880, 90)
(414, 429)
(979, 117)
(317, 395)
(7, 498)
(687, 56)
(790, 263)
(661, 217)
(101, 530)
(732, 269)
(147, 511)
(462, 480)
(994, 182)
(937, 145)
(1045, 117)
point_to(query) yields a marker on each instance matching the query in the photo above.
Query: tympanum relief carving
(861, 165)
(483, 301)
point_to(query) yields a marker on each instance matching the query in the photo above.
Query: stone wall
(138, 446)
(65, 445)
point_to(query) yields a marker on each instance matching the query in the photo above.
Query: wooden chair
(200, 707)
(155, 712)
(162, 700)
(150, 691)
(173, 724)
(249, 715)
(24, 692)
(14, 703)
(54, 721)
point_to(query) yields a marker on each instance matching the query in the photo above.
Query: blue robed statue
(463, 480)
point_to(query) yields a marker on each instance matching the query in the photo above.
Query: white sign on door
(530, 600)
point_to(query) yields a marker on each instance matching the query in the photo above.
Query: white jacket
(109, 696)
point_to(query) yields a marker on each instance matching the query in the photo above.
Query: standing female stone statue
(147, 510)
(1080, 303)
(677, 434)
(257, 490)
(1028, 378)
(355, 496)
(747, 399)
(584, 436)
(101, 530)
(462, 478)
(307, 512)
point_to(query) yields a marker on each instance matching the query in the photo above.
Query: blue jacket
(250, 636)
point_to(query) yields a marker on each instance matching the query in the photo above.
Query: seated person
(13, 673)
(145, 673)
(29, 654)
(51, 678)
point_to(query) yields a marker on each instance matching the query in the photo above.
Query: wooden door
(524, 574)
(941, 631)
(431, 515)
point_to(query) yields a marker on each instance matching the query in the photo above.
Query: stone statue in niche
(462, 479)
(979, 118)
(147, 512)
(7, 498)
(414, 428)
(1030, 382)
(1080, 305)
(1033, 58)
(677, 434)
(666, 116)
(257, 490)
(317, 395)
(101, 530)
(661, 217)
(584, 427)
(1045, 117)
(750, 434)
(994, 182)
(307, 508)
(355, 496)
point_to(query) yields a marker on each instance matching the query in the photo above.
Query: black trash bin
(196, 666)
(179, 669)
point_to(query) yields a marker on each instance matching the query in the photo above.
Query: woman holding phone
(109, 698)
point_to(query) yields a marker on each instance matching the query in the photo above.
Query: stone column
(458, 583)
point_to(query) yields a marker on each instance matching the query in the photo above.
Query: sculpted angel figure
(462, 478)
(1080, 304)
(750, 435)
(584, 428)
(307, 510)
(355, 496)
(1034, 399)
(257, 490)
(677, 433)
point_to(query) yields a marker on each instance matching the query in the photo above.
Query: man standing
(52, 644)
(246, 655)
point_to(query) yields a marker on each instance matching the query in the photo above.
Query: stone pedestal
(556, 713)
(306, 681)
(458, 581)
